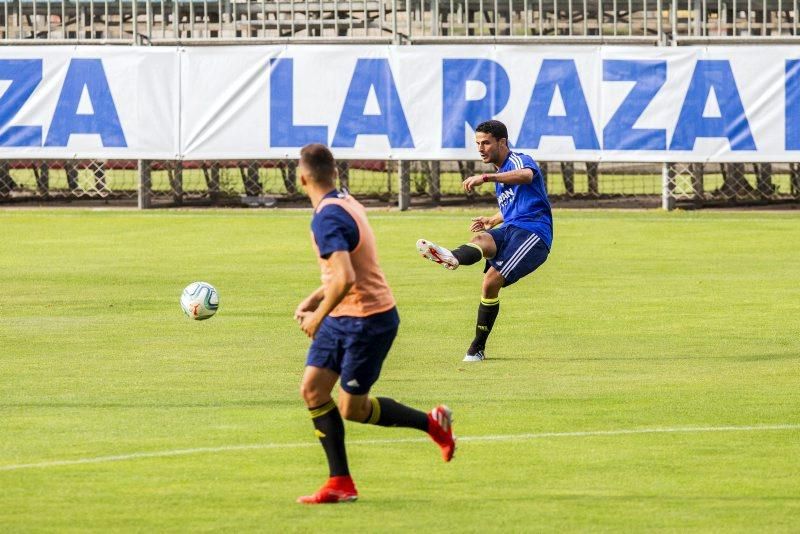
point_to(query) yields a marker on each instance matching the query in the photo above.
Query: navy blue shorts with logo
(519, 252)
(354, 347)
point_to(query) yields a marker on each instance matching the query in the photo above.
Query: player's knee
(486, 243)
(352, 411)
(480, 240)
(312, 395)
(348, 412)
(492, 283)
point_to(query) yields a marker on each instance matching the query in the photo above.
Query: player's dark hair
(496, 128)
(319, 162)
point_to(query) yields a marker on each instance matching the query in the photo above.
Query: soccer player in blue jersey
(513, 250)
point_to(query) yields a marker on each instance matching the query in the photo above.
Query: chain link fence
(722, 184)
(269, 182)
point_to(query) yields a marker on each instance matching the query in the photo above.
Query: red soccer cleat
(336, 489)
(440, 429)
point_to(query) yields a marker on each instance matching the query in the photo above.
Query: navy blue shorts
(354, 348)
(519, 252)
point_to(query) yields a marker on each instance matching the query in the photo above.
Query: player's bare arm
(342, 279)
(480, 224)
(309, 304)
(513, 177)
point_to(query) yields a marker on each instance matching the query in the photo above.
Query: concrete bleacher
(399, 20)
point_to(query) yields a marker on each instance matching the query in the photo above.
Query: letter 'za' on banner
(89, 102)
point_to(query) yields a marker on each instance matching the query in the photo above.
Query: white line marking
(499, 437)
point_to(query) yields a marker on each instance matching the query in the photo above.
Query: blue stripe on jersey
(525, 205)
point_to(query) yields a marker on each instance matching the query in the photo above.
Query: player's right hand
(479, 224)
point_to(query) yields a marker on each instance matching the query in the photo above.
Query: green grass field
(117, 413)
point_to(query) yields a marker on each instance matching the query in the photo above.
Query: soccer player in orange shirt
(352, 320)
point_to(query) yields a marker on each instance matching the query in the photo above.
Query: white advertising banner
(562, 103)
(100, 102)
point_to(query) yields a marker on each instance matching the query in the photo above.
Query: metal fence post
(344, 175)
(176, 182)
(436, 182)
(659, 23)
(674, 22)
(592, 178)
(697, 171)
(7, 184)
(794, 179)
(211, 174)
(667, 201)
(568, 175)
(145, 185)
(43, 179)
(404, 189)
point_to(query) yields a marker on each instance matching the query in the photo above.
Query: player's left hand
(472, 182)
(309, 305)
(480, 224)
(309, 323)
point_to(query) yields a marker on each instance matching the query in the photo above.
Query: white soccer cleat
(437, 254)
(477, 357)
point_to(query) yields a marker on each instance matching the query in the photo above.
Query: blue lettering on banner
(25, 75)
(104, 121)
(619, 133)
(283, 132)
(457, 110)
(372, 74)
(732, 123)
(792, 104)
(576, 123)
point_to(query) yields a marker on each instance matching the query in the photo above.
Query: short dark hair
(319, 162)
(496, 128)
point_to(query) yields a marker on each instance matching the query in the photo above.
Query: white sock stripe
(508, 269)
(516, 252)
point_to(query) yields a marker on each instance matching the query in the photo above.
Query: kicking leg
(383, 411)
(487, 313)
(481, 246)
(318, 382)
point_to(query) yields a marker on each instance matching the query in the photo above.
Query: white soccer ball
(200, 301)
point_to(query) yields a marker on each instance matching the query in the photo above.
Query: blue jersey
(525, 205)
(334, 229)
